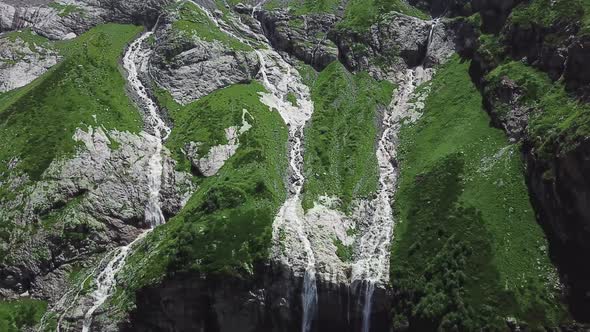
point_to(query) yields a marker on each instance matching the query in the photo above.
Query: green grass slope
(18, 315)
(226, 227)
(560, 122)
(361, 14)
(467, 250)
(340, 140)
(37, 121)
(192, 21)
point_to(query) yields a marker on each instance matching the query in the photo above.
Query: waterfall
(369, 289)
(135, 61)
(281, 79)
(106, 280)
(433, 24)
(285, 79)
(371, 266)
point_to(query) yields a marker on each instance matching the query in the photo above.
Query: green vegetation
(361, 14)
(339, 157)
(302, 7)
(292, 99)
(343, 252)
(65, 10)
(491, 49)
(467, 251)
(226, 226)
(19, 314)
(37, 121)
(29, 37)
(560, 123)
(546, 13)
(194, 22)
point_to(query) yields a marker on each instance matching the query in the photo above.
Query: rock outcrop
(554, 174)
(503, 103)
(81, 206)
(269, 302)
(394, 44)
(21, 62)
(305, 37)
(65, 20)
(179, 59)
(560, 189)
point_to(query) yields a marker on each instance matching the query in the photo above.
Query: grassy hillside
(18, 315)
(37, 121)
(227, 225)
(361, 14)
(560, 122)
(192, 21)
(341, 138)
(467, 251)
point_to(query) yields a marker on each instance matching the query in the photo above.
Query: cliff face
(268, 302)
(555, 163)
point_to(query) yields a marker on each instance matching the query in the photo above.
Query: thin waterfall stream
(281, 79)
(372, 266)
(134, 61)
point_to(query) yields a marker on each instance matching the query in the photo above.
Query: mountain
(294, 165)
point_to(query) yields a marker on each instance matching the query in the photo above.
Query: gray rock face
(190, 67)
(577, 74)
(396, 43)
(503, 104)
(493, 13)
(304, 37)
(82, 205)
(270, 300)
(560, 190)
(22, 62)
(60, 22)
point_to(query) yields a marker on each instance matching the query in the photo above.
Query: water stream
(372, 266)
(284, 79)
(280, 80)
(134, 62)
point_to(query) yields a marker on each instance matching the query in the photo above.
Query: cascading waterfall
(134, 61)
(286, 80)
(372, 267)
(106, 281)
(295, 117)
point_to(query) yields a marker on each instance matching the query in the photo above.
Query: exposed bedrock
(558, 50)
(502, 102)
(269, 301)
(493, 13)
(81, 206)
(190, 67)
(394, 44)
(304, 37)
(57, 22)
(577, 73)
(21, 63)
(560, 189)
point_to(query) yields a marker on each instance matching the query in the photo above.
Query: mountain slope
(293, 165)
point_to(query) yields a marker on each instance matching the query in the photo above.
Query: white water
(284, 79)
(135, 61)
(281, 79)
(106, 280)
(372, 265)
